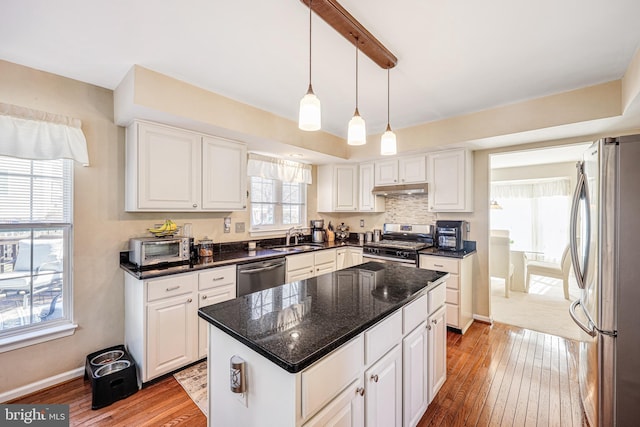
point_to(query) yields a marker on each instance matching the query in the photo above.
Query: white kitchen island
(361, 346)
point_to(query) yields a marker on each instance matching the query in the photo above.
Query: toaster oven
(145, 251)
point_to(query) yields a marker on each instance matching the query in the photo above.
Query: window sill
(26, 339)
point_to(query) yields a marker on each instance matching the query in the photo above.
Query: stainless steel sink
(286, 249)
(297, 248)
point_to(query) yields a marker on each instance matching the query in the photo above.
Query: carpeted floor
(194, 381)
(543, 309)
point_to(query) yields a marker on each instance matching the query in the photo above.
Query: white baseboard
(41, 385)
(484, 319)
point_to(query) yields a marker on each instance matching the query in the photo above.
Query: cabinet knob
(195, 205)
(428, 327)
(204, 297)
(435, 321)
(360, 391)
(190, 300)
(374, 378)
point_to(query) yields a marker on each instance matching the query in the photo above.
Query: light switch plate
(227, 224)
(362, 223)
(239, 227)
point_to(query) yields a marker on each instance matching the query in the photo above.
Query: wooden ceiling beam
(337, 17)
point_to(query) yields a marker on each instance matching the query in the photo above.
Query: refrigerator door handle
(580, 193)
(572, 312)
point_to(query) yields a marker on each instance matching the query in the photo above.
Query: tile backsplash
(408, 209)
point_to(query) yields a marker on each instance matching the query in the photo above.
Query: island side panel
(271, 391)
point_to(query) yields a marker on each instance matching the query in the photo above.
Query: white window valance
(531, 188)
(37, 135)
(283, 170)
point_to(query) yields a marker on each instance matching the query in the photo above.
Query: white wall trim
(485, 319)
(41, 384)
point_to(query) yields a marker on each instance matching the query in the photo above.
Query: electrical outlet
(239, 227)
(227, 224)
(362, 223)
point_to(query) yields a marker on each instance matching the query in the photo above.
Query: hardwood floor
(497, 375)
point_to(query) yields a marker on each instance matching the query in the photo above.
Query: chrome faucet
(293, 232)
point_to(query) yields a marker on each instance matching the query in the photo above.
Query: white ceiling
(454, 57)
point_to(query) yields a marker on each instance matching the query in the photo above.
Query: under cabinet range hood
(384, 190)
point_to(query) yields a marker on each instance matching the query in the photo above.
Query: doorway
(531, 277)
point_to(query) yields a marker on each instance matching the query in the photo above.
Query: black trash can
(113, 375)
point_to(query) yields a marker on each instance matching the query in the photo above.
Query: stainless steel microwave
(145, 251)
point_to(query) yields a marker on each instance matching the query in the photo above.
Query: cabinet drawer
(324, 257)
(382, 337)
(438, 263)
(327, 377)
(453, 282)
(414, 314)
(453, 296)
(436, 298)
(453, 315)
(171, 286)
(215, 277)
(297, 262)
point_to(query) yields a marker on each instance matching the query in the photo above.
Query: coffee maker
(318, 234)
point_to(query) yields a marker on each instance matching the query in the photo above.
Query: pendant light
(388, 140)
(309, 117)
(357, 132)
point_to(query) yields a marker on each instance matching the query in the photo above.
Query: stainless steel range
(400, 243)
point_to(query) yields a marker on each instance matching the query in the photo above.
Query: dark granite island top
(296, 324)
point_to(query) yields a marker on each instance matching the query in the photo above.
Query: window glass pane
(31, 276)
(35, 226)
(276, 204)
(262, 214)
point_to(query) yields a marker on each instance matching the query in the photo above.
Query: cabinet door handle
(173, 288)
(360, 391)
(204, 297)
(215, 279)
(190, 300)
(438, 265)
(374, 378)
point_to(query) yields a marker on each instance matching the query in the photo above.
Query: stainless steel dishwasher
(257, 276)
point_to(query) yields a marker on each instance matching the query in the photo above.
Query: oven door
(386, 259)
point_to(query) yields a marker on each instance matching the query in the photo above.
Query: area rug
(194, 381)
(543, 309)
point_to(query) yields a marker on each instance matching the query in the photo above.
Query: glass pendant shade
(388, 143)
(357, 132)
(310, 113)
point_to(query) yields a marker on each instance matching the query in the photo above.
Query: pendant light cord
(357, 74)
(310, 42)
(388, 96)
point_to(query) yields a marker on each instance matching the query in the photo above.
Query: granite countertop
(296, 324)
(220, 259)
(451, 254)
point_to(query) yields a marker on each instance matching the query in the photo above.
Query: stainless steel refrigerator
(605, 250)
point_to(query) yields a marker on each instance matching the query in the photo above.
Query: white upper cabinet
(367, 202)
(175, 170)
(450, 181)
(405, 170)
(337, 188)
(159, 171)
(223, 187)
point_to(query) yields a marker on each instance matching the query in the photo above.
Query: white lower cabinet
(172, 334)
(162, 329)
(214, 286)
(348, 257)
(310, 264)
(346, 410)
(383, 387)
(437, 350)
(415, 378)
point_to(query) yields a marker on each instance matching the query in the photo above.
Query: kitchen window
(276, 204)
(35, 240)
